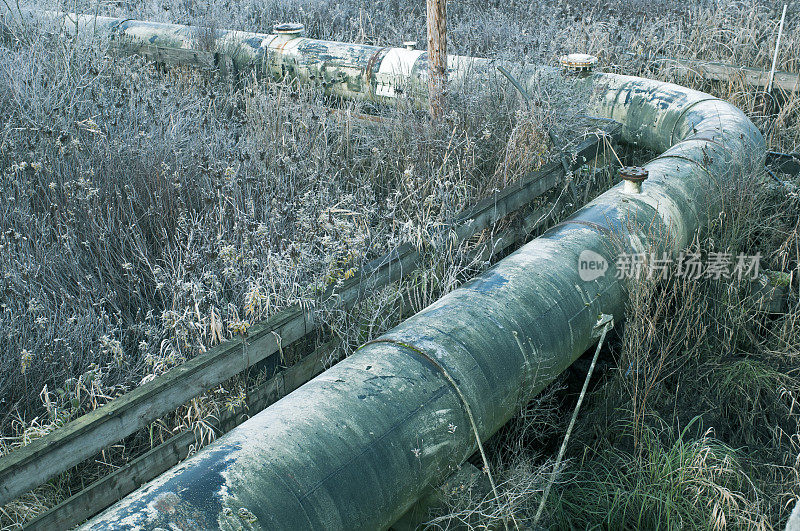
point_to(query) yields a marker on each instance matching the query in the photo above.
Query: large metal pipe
(347, 70)
(356, 446)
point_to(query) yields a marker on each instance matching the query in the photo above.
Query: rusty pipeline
(355, 447)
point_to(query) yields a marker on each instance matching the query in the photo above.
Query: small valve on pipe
(289, 28)
(632, 177)
(578, 63)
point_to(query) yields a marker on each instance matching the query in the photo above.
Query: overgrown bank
(262, 225)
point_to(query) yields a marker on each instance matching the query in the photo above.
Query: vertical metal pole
(437, 55)
(774, 57)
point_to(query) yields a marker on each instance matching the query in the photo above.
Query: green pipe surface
(355, 447)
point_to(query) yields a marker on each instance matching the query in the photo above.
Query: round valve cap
(634, 174)
(289, 28)
(578, 62)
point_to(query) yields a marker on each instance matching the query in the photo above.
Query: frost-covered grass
(149, 214)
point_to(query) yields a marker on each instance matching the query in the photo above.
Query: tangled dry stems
(152, 214)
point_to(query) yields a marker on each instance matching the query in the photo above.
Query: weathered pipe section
(355, 447)
(346, 70)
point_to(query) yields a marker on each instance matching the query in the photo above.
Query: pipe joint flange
(633, 177)
(578, 63)
(291, 29)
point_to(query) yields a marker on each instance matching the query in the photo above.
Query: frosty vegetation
(149, 214)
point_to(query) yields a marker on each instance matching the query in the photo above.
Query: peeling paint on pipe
(347, 70)
(356, 446)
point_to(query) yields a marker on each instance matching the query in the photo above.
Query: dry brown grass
(184, 207)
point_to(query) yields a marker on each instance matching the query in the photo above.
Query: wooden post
(437, 55)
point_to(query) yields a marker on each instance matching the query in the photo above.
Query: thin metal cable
(606, 327)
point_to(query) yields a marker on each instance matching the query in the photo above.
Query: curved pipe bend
(358, 445)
